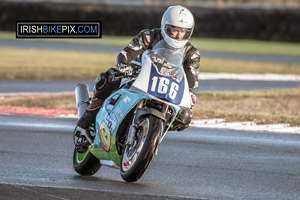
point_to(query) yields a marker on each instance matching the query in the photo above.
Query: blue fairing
(115, 109)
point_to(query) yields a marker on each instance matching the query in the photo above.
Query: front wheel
(137, 157)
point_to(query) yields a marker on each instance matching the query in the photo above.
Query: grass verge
(46, 64)
(231, 66)
(50, 64)
(56, 101)
(203, 44)
(262, 107)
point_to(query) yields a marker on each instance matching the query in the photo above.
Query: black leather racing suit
(147, 39)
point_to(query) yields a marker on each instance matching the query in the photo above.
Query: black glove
(101, 81)
(105, 84)
(125, 68)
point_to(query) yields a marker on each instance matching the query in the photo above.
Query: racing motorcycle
(134, 119)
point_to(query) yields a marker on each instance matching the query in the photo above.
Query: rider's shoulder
(190, 48)
(150, 36)
(154, 32)
(192, 52)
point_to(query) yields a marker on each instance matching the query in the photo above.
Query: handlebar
(135, 71)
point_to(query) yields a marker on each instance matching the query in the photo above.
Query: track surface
(36, 163)
(23, 86)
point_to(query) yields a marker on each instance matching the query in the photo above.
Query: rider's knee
(183, 119)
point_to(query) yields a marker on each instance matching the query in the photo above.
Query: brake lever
(116, 78)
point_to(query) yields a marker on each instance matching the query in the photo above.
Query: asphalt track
(29, 86)
(36, 163)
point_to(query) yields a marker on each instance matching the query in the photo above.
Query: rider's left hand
(125, 68)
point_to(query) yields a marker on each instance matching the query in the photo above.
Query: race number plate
(165, 87)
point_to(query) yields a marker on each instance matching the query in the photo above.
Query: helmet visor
(178, 33)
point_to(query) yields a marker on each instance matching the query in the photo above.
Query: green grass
(262, 107)
(55, 101)
(51, 64)
(232, 66)
(247, 46)
(270, 93)
(203, 44)
(45, 64)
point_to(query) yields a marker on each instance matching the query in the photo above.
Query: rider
(177, 26)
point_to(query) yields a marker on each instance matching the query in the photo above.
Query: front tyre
(137, 157)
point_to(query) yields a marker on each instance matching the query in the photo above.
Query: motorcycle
(133, 120)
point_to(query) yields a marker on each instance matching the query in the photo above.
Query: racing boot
(88, 118)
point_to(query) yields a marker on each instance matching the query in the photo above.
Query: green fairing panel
(99, 152)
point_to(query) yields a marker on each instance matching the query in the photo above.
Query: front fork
(133, 127)
(142, 112)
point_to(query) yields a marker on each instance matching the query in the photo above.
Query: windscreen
(168, 61)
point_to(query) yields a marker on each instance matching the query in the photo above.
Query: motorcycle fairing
(110, 116)
(144, 80)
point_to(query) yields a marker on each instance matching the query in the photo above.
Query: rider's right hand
(101, 80)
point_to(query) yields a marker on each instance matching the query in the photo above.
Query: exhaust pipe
(82, 103)
(82, 98)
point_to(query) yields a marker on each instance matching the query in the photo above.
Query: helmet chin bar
(173, 42)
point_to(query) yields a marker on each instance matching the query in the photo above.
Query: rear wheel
(137, 157)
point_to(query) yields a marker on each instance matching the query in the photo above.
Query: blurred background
(276, 20)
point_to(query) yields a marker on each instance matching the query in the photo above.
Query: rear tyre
(137, 157)
(85, 164)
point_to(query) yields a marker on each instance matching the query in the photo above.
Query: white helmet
(177, 19)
